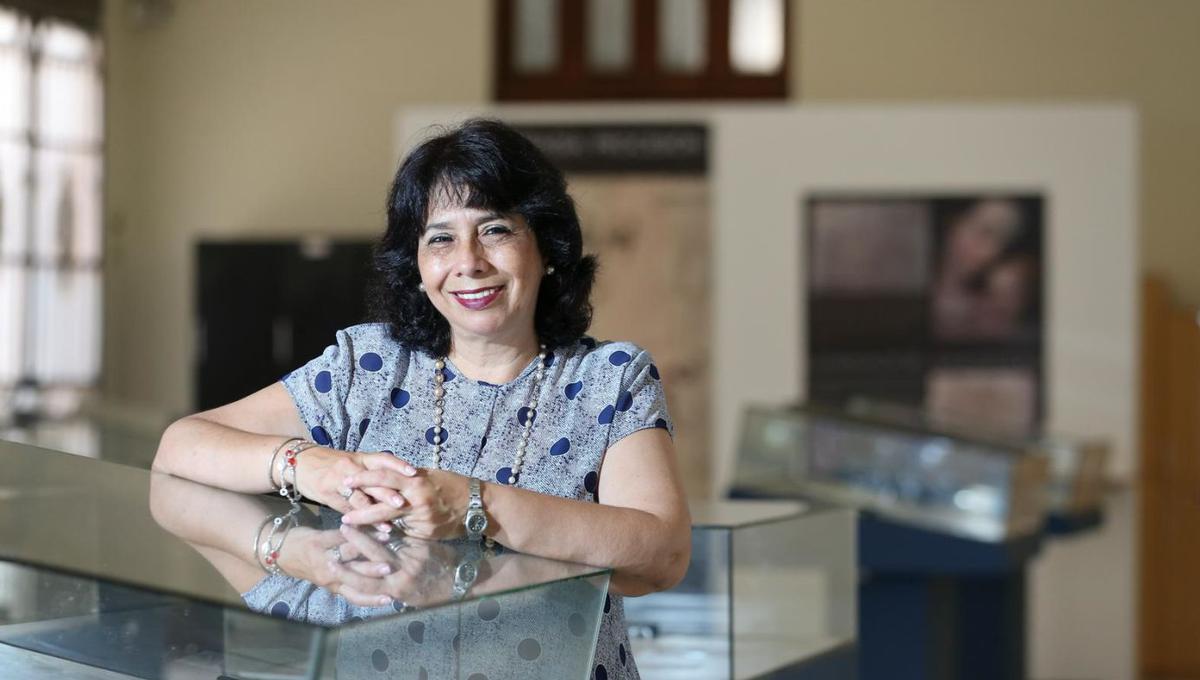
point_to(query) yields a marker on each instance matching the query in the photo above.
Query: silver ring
(346, 492)
(395, 545)
(336, 553)
(399, 524)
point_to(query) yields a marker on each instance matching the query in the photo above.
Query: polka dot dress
(368, 393)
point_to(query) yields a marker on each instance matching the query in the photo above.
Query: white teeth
(476, 296)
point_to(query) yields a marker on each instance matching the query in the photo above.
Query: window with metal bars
(51, 130)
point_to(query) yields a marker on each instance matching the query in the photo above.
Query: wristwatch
(464, 575)
(476, 520)
(474, 554)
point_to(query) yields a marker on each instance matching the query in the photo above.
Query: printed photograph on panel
(989, 260)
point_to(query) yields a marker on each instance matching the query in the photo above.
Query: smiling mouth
(478, 298)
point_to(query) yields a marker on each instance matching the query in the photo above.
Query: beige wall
(232, 117)
(274, 115)
(1033, 50)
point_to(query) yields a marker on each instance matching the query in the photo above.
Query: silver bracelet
(274, 456)
(268, 552)
(289, 463)
(258, 537)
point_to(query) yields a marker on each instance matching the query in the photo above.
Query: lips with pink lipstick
(477, 298)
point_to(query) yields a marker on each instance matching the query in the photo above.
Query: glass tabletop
(148, 575)
(98, 519)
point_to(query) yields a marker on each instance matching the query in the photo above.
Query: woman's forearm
(218, 455)
(647, 552)
(206, 516)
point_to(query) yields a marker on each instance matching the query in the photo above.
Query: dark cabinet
(266, 307)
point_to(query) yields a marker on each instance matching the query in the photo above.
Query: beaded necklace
(439, 409)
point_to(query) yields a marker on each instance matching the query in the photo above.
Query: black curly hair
(489, 166)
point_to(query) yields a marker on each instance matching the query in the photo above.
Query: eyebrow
(484, 218)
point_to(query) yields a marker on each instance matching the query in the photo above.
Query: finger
(372, 515)
(331, 538)
(351, 552)
(387, 478)
(343, 575)
(383, 494)
(367, 547)
(389, 461)
(344, 499)
(359, 499)
(366, 568)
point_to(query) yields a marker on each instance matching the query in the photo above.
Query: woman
(477, 369)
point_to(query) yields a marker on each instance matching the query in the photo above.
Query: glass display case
(1077, 473)
(771, 588)
(108, 571)
(977, 488)
(1076, 464)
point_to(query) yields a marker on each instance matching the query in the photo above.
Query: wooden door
(1169, 550)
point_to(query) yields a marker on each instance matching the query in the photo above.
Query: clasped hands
(379, 488)
(370, 572)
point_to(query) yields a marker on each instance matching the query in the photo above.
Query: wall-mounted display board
(930, 301)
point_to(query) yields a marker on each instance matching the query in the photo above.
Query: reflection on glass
(193, 601)
(682, 30)
(756, 36)
(610, 34)
(535, 45)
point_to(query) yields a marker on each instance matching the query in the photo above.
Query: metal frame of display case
(95, 572)
(770, 592)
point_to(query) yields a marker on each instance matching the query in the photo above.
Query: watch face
(476, 523)
(466, 573)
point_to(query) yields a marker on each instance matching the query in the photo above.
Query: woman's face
(981, 234)
(482, 271)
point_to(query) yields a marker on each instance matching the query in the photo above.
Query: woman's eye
(497, 229)
(438, 238)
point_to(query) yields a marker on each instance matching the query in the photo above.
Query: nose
(470, 259)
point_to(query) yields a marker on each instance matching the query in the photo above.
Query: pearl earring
(549, 270)
(421, 287)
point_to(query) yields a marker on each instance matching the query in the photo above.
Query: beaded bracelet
(288, 464)
(267, 553)
(275, 456)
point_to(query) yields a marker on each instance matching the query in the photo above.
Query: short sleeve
(320, 390)
(641, 402)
